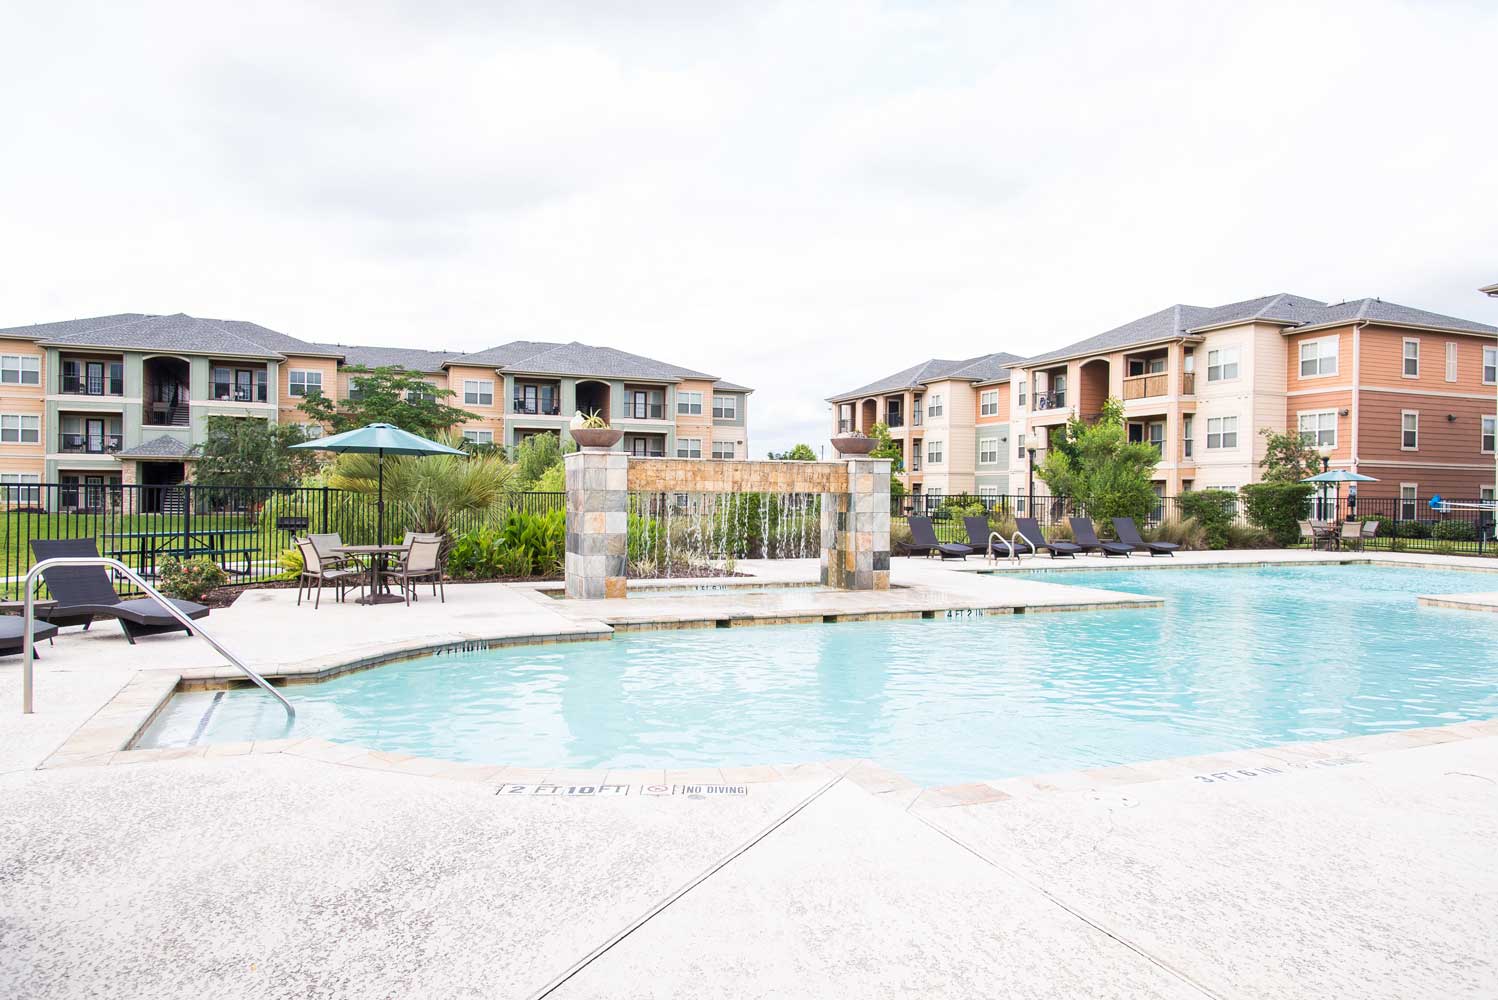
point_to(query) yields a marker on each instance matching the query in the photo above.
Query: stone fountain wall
(855, 511)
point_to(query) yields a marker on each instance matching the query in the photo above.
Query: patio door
(93, 491)
(528, 398)
(244, 385)
(94, 438)
(94, 383)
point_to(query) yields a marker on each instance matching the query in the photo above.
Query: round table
(378, 554)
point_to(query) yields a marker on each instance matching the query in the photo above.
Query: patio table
(378, 556)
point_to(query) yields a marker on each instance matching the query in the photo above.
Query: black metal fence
(245, 530)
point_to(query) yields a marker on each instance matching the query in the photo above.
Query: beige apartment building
(1401, 394)
(125, 399)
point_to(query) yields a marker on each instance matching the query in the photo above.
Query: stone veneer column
(855, 528)
(597, 523)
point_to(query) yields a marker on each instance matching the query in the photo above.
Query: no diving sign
(603, 791)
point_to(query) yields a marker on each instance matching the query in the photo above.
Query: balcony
(1145, 386)
(538, 407)
(222, 393)
(90, 444)
(1050, 400)
(93, 384)
(637, 410)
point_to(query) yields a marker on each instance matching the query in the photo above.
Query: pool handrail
(28, 652)
(1013, 555)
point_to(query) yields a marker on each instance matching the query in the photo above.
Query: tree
(1100, 468)
(536, 455)
(388, 396)
(890, 449)
(428, 491)
(799, 453)
(1288, 458)
(247, 451)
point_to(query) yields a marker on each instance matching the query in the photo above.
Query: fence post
(325, 508)
(186, 518)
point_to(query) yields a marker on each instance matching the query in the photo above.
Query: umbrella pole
(380, 500)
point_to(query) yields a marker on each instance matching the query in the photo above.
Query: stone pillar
(597, 523)
(855, 528)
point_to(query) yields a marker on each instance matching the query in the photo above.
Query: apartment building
(949, 417)
(1394, 392)
(125, 399)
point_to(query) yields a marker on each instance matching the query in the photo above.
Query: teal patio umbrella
(381, 440)
(1339, 476)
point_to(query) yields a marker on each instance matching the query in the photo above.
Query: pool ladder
(28, 653)
(1013, 555)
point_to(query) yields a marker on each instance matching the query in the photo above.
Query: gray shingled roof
(505, 354)
(983, 368)
(179, 333)
(728, 386)
(61, 328)
(583, 359)
(1394, 314)
(397, 357)
(158, 447)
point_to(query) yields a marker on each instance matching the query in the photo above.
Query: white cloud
(800, 197)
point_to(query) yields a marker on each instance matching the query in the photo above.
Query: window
(478, 392)
(988, 403)
(303, 383)
(1318, 429)
(1022, 394)
(1451, 361)
(427, 394)
(650, 404)
(844, 418)
(933, 406)
(478, 437)
(988, 494)
(312, 431)
(1489, 433)
(1222, 433)
(20, 428)
(1019, 450)
(1318, 357)
(1489, 365)
(915, 457)
(20, 369)
(1157, 436)
(1409, 428)
(916, 409)
(1222, 365)
(933, 452)
(689, 402)
(725, 408)
(688, 447)
(723, 449)
(988, 451)
(1408, 495)
(1188, 424)
(17, 489)
(1411, 358)
(1058, 391)
(1485, 494)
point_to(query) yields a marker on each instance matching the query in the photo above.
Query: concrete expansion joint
(660, 907)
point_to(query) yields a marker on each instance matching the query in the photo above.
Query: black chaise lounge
(978, 533)
(923, 540)
(1084, 535)
(1029, 530)
(12, 636)
(83, 593)
(1128, 533)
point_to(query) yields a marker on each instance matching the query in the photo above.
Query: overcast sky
(799, 197)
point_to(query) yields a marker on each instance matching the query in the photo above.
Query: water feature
(706, 534)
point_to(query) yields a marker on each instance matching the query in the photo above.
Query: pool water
(1237, 658)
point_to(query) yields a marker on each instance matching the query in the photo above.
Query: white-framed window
(844, 418)
(723, 449)
(22, 487)
(933, 452)
(1318, 428)
(689, 403)
(429, 394)
(933, 405)
(988, 451)
(1022, 384)
(20, 428)
(1222, 365)
(1019, 448)
(1222, 433)
(1489, 433)
(988, 403)
(688, 447)
(1490, 366)
(1058, 390)
(1485, 494)
(478, 437)
(1409, 495)
(725, 407)
(1318, 357)
(303, 383)
(1451, 361)
(478, 392)
(20, 369)
(988, 494)
(312, 431)
(1411, 357)
(1188, 427)
(1409, 430)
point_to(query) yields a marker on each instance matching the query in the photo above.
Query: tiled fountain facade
(855, 511)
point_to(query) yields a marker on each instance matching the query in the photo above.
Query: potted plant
(854, 443)
(593, 433)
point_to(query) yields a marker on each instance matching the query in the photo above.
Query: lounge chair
(85, 592)
(419, 563)
(1083, 533)
(923, 540)
(1029, 530)
(980, 538)
(12, 636)
(1128, 533)
(317, 571)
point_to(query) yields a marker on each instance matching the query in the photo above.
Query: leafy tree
(389, 396)
(1098, 467)
(248, 451)
(889, 448)
(799, 453)
(536, 455)
(427, 492)
(1288, 457)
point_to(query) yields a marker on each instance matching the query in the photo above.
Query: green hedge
(1278, 508)
(1214, 510)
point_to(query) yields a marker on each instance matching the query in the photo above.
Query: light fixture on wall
(1343, 412)
(1451, 418)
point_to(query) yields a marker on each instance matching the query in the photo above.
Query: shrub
(1247, 536)
(899, 537)
(524, 545)
(1278, 508)
(1385, 527)
(1455, 531)
(190, 579)
(1411, 529)
(1185, 532)
(1213, 510)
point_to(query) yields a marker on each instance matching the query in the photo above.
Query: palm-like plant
(428, 492)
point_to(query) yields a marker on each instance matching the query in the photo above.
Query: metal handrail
(29, 617)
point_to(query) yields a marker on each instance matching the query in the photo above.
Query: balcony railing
(894, 420)
(1050, 400)
(242, 394)
(542, 407)
(90, 444)
(85, 385)
(645, 411)
(844, 426)
(1188, 383)
(1144, 386)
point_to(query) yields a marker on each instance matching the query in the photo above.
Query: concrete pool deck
(1314, 870)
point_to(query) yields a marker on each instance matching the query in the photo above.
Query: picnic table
(213, 543)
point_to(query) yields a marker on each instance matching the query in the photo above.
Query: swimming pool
(1237, 658)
